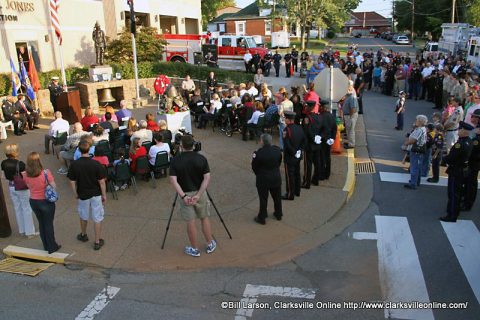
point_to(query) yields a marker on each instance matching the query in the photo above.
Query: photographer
(190, 175)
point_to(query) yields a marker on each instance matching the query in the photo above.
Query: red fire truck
(234, 47)
(184, 47)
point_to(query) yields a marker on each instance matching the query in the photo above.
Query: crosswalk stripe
(465, 240)
(405, 177)
(98, 303)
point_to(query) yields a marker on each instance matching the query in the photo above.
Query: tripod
(173, 208)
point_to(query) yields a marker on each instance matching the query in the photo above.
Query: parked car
(358, 35)
(390, 36)
(384, 35)
(402, 40)
(395, 37)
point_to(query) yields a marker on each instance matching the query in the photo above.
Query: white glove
(330, 141)
(318, 139)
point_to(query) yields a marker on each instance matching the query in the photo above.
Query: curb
(350, 181)
(40, 255)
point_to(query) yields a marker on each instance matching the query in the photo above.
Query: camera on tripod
(197, 145)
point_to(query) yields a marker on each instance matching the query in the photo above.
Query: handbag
(417, 148)
(51, 194)
(18, 181)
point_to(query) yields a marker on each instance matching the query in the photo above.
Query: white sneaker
(124, 186)
(116, 188)
(62, 171)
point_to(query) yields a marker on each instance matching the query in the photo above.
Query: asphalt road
(343, 269)
(375, 43)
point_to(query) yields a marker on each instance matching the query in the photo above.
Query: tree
(210, 7)
(149, 46)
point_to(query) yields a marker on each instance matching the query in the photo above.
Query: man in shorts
(190, 175)
(87, 178)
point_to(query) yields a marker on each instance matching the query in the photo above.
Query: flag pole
(133, 30)
(62, 66)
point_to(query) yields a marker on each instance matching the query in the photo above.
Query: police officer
(211, 60)
(437, 149)
(295, 58)
(266, 163)
(293, 146)
(438, 89)
(457, 161)
(256, 61)
(10, 113)
(277, 58)
(288, 63)
(312, 130)
(267, 63)
(55, 90)
(471, 183)
(328, 134)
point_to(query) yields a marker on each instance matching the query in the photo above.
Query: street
(396, 251)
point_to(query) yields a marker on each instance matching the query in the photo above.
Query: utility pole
(453, 11)
(393, 16)
(413, 23)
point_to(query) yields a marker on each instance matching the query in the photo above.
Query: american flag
(54, 5)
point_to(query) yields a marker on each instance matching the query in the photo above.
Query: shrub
(330, 34)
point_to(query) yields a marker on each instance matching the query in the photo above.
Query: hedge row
(145, 70)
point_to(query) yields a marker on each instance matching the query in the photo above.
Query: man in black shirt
(87, 178)
(266, 163)
(190, 175)
(295, 58)
(359, 86)
(267, 64)
(288, 64)
(55, 90)
(277, 58)
(10, 113)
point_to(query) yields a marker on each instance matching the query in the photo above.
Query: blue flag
(15, 79)
(26, 82)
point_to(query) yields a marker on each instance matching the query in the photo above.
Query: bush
(330, 34)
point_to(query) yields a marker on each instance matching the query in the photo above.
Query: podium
(68, 103)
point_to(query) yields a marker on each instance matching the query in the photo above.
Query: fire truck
(234, 47)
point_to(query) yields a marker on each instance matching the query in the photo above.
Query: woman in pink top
(35, 179)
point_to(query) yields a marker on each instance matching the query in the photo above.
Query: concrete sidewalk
(134, 225)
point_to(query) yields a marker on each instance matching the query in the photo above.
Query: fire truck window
(226, 42)
(241, 43)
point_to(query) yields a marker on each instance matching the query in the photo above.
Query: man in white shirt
(58, 126)
(188, 87)
(143, 133)
(242, 89)
(247, 58)
(157, 147)
(252, 91)
(457, 66)
(359, 59)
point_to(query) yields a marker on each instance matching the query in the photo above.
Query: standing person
(400, 76)
(285, 106)
(267, 63)
(57, 126)
(190, 176)
(311, 95)
(427, 158)
(288, 64)
(266, 163)
(328, 134)
(247, 60)
(294, 144)
(457, 162)
(400, 110)
(211, 84)
(452, 122)
(294, 55)
(87, 179)
(416, 145)
(377, 73)
(259, 79)
(37, 180)
(312, 130)
(437, 149)
(359, 85)
(277, 58)
(350, 115)
(12, 167)
(55, 90)
(471, 183)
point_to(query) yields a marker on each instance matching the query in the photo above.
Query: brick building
(364, 22)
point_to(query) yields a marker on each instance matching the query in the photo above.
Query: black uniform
(438, 91)
(266, 165)
(359, 80)
(471, 182)
(27, 113)
(329, 131)
(457, 161)
(211, 85)
(55, 90)
(288, 63)
(256, 61)
(295, 59)
(293, 146)
(10, 113)
(277, 58)
(267, 64)
(312, 129)
(437, 148)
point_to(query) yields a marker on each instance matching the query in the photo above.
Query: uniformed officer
(312, 129)
(288, 63)
(277, 58)
(437, 148)
(267, 63)
(328, 134)
(457, 161)
(266, 163)
(293, 146)
(471, 183)
(256, 61)
(295, 58)
(55, 90)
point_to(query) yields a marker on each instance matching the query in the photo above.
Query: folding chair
(122, 174)
(59, 140)
(103, 149)
(147, 145)
(143, 168)
(161, 163)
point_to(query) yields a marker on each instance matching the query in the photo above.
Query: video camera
(197, 145)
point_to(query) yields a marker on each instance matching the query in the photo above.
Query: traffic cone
(337, 144)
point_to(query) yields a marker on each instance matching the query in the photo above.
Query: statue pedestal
(99, 72)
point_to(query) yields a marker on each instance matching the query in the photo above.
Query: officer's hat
(290, 115)
(430, 126)
(476, 113)
(324, 103)
(465, 126)
(55, 78)
(310, 104)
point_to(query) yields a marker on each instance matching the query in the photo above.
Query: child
(400, 110)
(120, 158)
(428, 152)
(437, 148)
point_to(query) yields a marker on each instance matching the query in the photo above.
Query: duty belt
(453, 130)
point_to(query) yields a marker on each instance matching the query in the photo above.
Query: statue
(98, 37)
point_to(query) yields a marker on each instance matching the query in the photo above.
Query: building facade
(367, 22)
(25, 27)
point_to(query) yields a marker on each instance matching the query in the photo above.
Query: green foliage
(473, 13)
(210, 7)
(149, 46)
(330, 34)
(5, 84)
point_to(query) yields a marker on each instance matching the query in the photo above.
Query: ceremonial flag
(133, 28)
(32, 72)
(16, 84)
(54, 5)
(26, 81)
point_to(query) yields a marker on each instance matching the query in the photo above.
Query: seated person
(57, 126)
(151, 124)
(99, 134)
(108, 123)
(10, 113)
(167, 134)
(123, 112)
(136, 151)
(251, 89)
(188, 87)
(215, 106)
(88, 119)
(26, 110)
(120, 158)
(234, 98)
(156, 148)
(132, 126)
(68, 149)
(143, 133)
(102, 159)
(77, 154)
(253, 121)
(112, 113)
